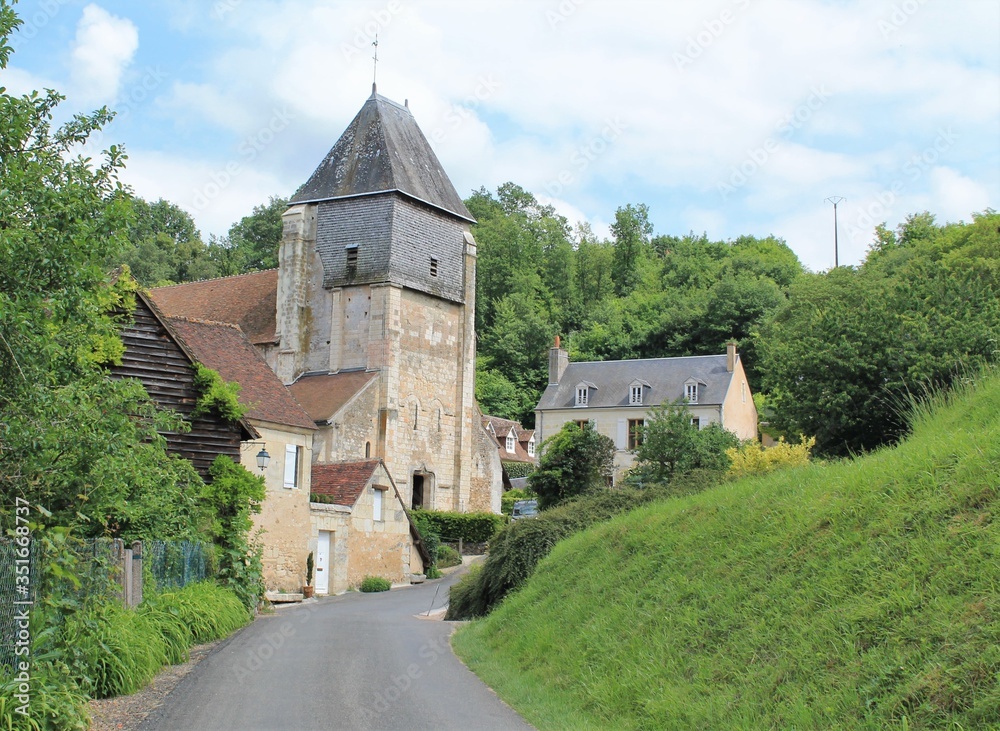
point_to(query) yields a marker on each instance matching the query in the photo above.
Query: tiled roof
(247, 300)
(666, 376)
(344, 481)
(383, 150)
(224, 348)
(501, 428)
(324, 395)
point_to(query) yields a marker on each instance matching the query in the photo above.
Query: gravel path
(127, 712)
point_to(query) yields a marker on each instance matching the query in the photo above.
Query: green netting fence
(104, 568)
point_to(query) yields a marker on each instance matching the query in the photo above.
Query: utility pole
(835, 199)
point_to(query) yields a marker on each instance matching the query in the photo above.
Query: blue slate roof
(666, 378)
(381, 151)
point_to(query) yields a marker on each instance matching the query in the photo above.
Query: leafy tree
(573, 461)
(497, 396)
(632, 230)
(166, 247)
(252, 243)
(672, 447)
(844, 356)
(73, 441)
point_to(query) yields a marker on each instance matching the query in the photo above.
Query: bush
(522, 544)
(207, 610)
(447, 556)
(518, 469)
(469, 527)
(512, 496)
(57, 703)
(375, 583)
(428, 534)
(752, 458)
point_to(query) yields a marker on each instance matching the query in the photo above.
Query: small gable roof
(382, 151)
(343, 481)
(247, 300)
(499, 429)
(323, 395)
(666, 378)
(224, 348)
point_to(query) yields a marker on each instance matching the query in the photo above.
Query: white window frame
(691, 392)
(635, 394)
(377, 513)
(531, 447)
(511, 443)
(292, 459)
(582, 395)
(696, 422)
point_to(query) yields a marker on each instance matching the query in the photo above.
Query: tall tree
(632, 230)
(252, 242)
(72, 441)
(574, 461)
(165, 245)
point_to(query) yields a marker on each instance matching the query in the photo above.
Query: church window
(352, 260)
(434, 267)
(416, 410)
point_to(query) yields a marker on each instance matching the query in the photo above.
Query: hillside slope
(856, 595)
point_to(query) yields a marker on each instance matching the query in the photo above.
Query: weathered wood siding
(153, 356)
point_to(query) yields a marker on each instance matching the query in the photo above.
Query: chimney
(730, 356)
(558, 360)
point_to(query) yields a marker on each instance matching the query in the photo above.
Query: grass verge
(856, 595)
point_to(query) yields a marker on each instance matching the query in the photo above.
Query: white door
(323, 563)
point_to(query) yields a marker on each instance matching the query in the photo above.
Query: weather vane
(375, 57)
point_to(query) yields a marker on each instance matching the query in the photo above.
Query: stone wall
(487, 474)
(353, 427)
(284, 516)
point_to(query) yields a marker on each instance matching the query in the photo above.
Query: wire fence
(103, 568)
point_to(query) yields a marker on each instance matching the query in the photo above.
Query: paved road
(355, 661)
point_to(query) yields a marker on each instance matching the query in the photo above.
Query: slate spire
(383, 151)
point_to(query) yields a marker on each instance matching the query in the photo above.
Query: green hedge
(469, 527)
(518, 469)
(512, 496)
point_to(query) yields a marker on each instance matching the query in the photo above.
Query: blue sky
(730, 117)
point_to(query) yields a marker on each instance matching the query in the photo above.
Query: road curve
(355, 661)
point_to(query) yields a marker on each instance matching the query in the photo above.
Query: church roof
(247, 300)
(383, 150)
(224, 348)
(323, 395)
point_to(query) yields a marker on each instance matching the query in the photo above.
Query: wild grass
(851, 595)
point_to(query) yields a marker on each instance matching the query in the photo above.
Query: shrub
(574, 461)
(375, 583)
(751, 458)
(428, 534)
(522, 544)
(447, 556)
(467, 593)
(518, 469)
(469, 527)
(57, 703)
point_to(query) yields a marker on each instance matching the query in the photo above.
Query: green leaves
(573, 461)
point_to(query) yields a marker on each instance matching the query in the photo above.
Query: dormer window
(531, 446)
(511, 442)
(583, 393)
(635, 392)
(691, 391)
(352, 260)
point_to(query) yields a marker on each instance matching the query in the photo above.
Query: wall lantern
(263, 458)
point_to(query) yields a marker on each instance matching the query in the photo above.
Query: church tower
(376, 312)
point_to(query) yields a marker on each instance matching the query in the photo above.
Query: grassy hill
(855, 595)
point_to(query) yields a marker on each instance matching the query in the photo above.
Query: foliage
(451, 526)
(165, 246)
(631, 230)
(231, 498)
(57, 703)
(512, 496)
(573, 461)
(447, 556)
(672, 446)
(752, 458)
(252, 243)
(216, 395)
(523, 543)
(498, 396)
(309, 569)
(208, 611)
(429, 534)
(73, 441)
(375, 583)
(518, 469)
(850, 595)
(842, 357)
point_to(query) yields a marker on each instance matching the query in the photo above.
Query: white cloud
(956, 196)
(104, 46)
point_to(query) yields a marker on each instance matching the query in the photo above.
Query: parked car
(524, 509)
